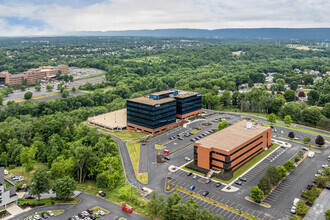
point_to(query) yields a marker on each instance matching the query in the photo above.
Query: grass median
(216, 203)
(297, 129)
(159, 147)
(133, 148)
(47, 202)
(125, 135)
(34, 97)
(301, 142)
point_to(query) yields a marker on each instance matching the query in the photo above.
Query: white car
(50, 213)
(194, 176)
(282, 132)
(296, 138)
(295, 201)
(325, 166)
(37, 217)
(187, 158)
(293, 210)
(316, 175)
(100, 212)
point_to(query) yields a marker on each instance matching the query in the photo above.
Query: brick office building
(231, 147)
(159, 111)
(33, 75)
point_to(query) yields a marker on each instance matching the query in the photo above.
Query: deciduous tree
(257, 194)
(40, 183)
(65, 187)
(288, 165)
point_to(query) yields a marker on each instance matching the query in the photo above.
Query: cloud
(58, 16)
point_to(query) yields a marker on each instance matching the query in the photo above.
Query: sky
(54, 17)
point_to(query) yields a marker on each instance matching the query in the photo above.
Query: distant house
(269, 79)
(238, 53)
(7, 194)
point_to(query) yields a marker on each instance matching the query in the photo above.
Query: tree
(257, 194)
(40, 183)
(62, 167)
(49, 87)
(321, 180)
(327, 214)
(37, 87)
(81, 154)
(156, 205)
(291, 134)
(288, 165)
(250, 84)
(28, 157)
(313, 97)
(294, 85)
(225, 98)
(311, 195)
(301, 94)
(23, 87)
(28, 95)
(296, 159)
(4, 157)
(287, 120)
(65, 94)
(282, 171)
(264, 185)
(300, 154)
(326, 110)
(301, 208)
(306, 140)
(101, 180)
(271, 118)
(319, 140)
(65, 187)
(311, 115)
(73, 89)
(289, 95)
(273, 175)
(222, 125)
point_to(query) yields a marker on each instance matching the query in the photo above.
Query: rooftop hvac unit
(249, 125)
(171, 95)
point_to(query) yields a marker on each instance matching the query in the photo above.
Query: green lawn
(159, 147)
(195, 131)
(20, 171)
(216, 203)
(8, 184)
(298, 129)
(113, 195)
(46, 202)
(316, 151)
(125, 135)
(133, 148)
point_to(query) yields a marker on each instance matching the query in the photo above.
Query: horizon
(43, 18)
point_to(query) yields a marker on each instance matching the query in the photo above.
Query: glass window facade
(188, 104)
(151, 116)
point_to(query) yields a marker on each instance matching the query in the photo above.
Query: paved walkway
(143, 162)
(320, 206)
(15, 210)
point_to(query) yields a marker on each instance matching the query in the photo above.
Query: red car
(89, 211)
(127, 208)
(30, 197)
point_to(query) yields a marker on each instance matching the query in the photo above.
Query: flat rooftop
(147, 101)
(232, 137)
(161, 93)
(184, 94)
(115, 119)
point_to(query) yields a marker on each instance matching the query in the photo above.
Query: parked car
(325, 166)
(205, 193)
(44, 215)
(180, 138)
(305, 148)
(238, 183)
(192, 188)
(194, 176)
(327, 186)
(187, 135)
(50, 213)
(31, 197)
(37, 217)
(189, 174)
(282, 146)
(101, 193)
(197, 138)
(101, 213)
(71, 218)
(218, 184)
(76, 217)
(320, 171)
(187, 158)
(90, 211)
(309, 186)
(91, 216)
(166, 158)
(242, 179)
(311, 154)
(293, 210)
(192, 139)
(296, 138)
(207, 181)
(295, 201)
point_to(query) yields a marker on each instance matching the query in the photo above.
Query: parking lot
(79, 73)
(81, 82)
(213, 208)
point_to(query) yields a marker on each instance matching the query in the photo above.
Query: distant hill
(253, 33)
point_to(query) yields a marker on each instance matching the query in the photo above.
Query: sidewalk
(15, 210)
(320, 206)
